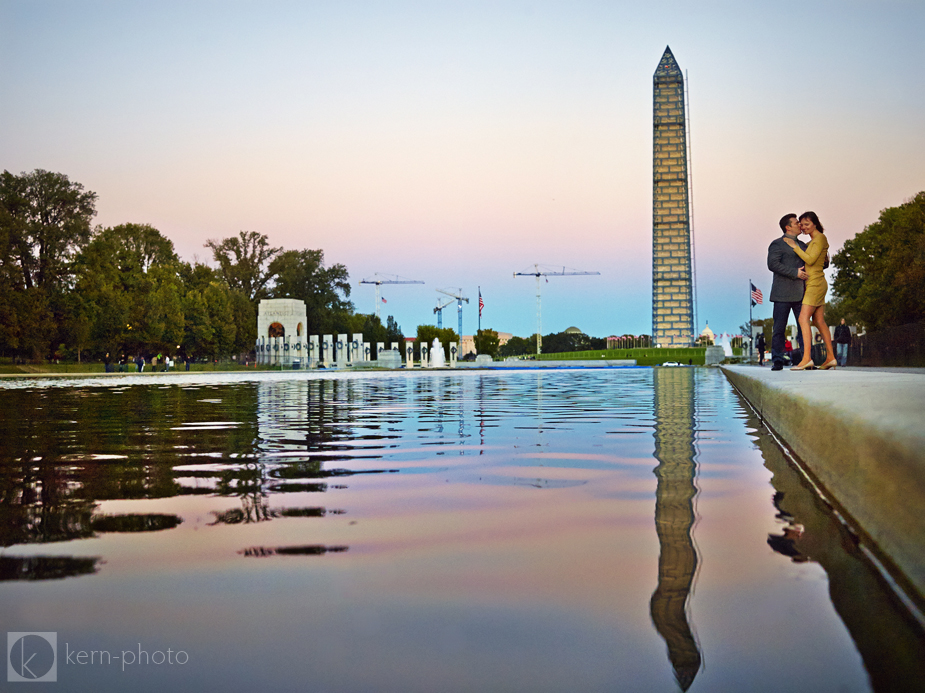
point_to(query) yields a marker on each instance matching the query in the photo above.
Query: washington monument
(672, 288)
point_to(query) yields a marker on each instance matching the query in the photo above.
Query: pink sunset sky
(458, 143)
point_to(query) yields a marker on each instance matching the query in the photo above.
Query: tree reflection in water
(14, 568)
(674, 518)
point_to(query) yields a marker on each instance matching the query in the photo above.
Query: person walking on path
(760, 346)
(814, 255)
(787, 286)
(842, 342)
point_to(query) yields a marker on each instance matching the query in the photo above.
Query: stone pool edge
(861, 437)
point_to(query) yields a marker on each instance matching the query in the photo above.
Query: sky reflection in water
(571, 530)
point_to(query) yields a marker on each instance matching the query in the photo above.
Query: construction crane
(380, 279)
(459, 301)
(439, 311)
(546, 271)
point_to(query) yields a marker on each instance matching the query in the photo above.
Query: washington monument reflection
(674, 518)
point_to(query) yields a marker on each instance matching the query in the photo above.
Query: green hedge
(643, 357)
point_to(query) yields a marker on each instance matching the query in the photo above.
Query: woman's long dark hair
(813, 218)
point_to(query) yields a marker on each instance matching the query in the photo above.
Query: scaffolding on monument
(690, 203)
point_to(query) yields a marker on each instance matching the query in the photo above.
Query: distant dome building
(707, 336)
(573, 330)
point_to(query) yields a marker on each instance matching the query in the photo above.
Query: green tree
(44, 223)
(9, 299)
(138, 247)
(198, 337)
(245, 321)
(79, 318)
(219, 321)
(881, 271)
(486, 342)
(427, 333)
(301, 274)
(370, 326)
(101, 298)
(517, 346)
(196, 277)
(127, 293)
(164, 310)
(47, 221)
(40, 329)
(244, 262)
(221, 316)
(392, 332)
(559, 342)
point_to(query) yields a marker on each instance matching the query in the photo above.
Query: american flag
(757, 296)
(481, 303)
(384, 301)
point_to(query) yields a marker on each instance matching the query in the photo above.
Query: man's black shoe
(778, 366)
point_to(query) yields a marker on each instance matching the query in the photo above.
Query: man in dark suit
(787, 287)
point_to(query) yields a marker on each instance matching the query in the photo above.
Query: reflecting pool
(628, 529)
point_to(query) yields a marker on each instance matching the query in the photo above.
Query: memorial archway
(280, 331)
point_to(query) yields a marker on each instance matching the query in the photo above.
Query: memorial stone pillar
(340, 351)
(313, 351)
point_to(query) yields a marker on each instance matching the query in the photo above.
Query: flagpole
(480, 309)
(751, 330)
(480, 315)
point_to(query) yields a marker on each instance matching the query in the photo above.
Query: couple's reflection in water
(888, 638)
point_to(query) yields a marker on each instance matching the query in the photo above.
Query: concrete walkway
(861, 434)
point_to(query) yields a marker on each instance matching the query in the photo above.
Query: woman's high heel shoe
(806, 367)
(829, 365)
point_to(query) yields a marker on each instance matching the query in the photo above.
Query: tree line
(487, 342)
(880, 279)
(71, 291)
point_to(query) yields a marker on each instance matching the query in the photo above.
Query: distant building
(468, 342)
(672, 286)
(573, 330)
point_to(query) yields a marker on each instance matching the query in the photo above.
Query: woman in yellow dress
(814, 294)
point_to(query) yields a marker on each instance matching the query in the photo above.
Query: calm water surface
(618, 530)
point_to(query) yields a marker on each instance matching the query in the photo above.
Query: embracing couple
(799, 286)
